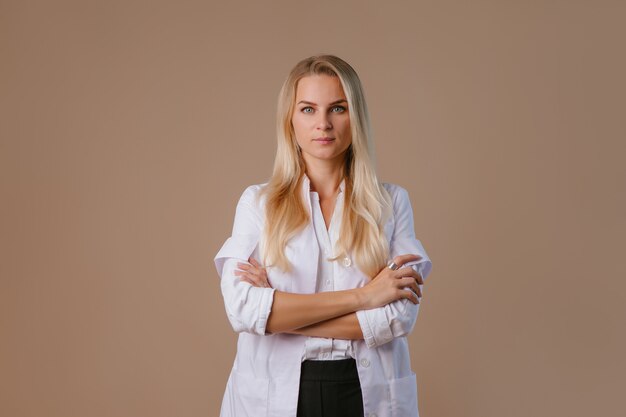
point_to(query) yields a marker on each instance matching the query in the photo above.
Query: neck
(325, 178)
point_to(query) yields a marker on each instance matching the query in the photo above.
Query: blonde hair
(367, 204)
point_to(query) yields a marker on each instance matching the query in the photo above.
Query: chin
(327, 154)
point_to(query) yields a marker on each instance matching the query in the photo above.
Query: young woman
(322, 275)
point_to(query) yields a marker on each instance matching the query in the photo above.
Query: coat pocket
(403, 396)
(250, 395)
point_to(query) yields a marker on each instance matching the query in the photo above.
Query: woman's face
(321, 120)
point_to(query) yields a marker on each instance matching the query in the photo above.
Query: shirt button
(328, 282)
(347, 262)
(365, 362)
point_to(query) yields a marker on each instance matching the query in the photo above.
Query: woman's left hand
(254, 274)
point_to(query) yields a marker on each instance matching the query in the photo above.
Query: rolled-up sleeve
(383, 324)
(247, 306)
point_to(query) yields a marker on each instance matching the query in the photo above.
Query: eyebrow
(334, 102)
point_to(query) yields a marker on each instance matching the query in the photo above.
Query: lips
(324, 139)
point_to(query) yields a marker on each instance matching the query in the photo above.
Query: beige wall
(129, 129)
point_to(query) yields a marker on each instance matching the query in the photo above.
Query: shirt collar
(306, 184)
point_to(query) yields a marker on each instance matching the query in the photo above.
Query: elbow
(397, 328)
(236, 323)
(382, 325)
(402, 327)
(240, 325)
(402, 324)
(248, 309)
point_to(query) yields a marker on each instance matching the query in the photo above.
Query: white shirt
(264, 380)
(321, 348)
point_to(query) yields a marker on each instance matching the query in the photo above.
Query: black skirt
(330, 389)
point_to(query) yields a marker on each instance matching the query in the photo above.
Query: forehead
(319, 88)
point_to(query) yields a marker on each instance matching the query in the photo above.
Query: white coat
(264, 380)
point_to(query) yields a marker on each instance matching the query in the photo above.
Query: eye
(304, 108)
(341, 109)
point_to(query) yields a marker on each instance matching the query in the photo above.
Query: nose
(323, 123)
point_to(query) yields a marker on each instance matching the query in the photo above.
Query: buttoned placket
(317, 347)
(324, 238)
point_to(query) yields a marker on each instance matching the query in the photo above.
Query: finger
(265, 279)
(409, 271)
(402, 259)
(417, 276)
(249, 281)
(405, 282)
(243, 266)
(405, 271)
(256, 271)
(256, 263)
(251, 269)
(254, 275)
(410, 295)
(415, 288)
(254, 280)
(260, 278)
(409, 282)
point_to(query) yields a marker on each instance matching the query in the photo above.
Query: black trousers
(330, 389)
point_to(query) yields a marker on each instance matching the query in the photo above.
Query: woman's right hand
(390, 285)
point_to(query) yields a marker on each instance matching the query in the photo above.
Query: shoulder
(393, 188)
(252, 193)
(400, 200)
(396, 192)
(252, 200)
(249, 211)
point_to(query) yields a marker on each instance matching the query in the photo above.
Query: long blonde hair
(367, 204)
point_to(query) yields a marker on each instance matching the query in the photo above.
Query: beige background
(129, 130)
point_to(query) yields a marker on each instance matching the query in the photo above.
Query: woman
(306, 275)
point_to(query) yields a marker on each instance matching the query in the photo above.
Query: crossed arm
(333, 314)
(383, 309)
(342, 327)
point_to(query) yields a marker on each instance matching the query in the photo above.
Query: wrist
(362, 299)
